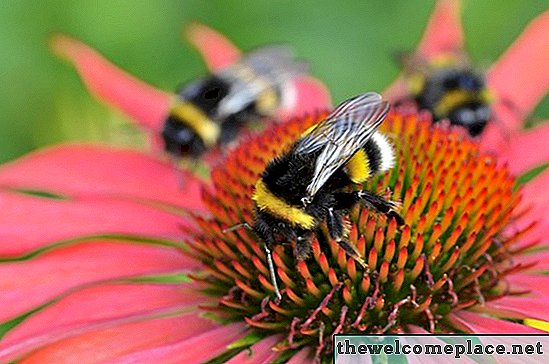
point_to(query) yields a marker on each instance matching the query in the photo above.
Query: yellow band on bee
(266, 200)
(358, 167)
(455, 98)
(191, 116)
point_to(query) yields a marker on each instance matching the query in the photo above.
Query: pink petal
(28, 283)
(311, 96)
(413, 329)
(534, 284)
(302, 356)
(92, 170)
(527, 150)
(475, 323)
(147, 105)
(535, 196)
(443, 33)
(535, 192)
(198, 349)
(541, 264)
(111, 343)
(521, 76)
(217, 51)
(518, 307)
(28, 223)
(398, 90)
(95, 307)
(261, 352)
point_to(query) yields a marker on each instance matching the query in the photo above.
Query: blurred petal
(217, 51)
(475, 323)
(261, 352)
(109, 344)
(540, 261)
(197, 349)
(28, 223)
(535, 195)
(520, 78)
(443, 33)
(302, 356)
(109, 304)
(538, 284)
(143, 103)
(527, 149)
(93, 170)
(311, 96)
(518, 307)
(29, 283)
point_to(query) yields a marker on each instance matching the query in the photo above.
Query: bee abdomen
(376, 156)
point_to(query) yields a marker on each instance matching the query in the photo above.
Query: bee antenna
(237, 226)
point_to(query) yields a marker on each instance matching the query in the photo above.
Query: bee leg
(379, 204)
(353, 253)
(179, 175)
(336, 227)
(272, 272)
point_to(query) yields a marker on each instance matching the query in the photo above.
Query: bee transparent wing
(341, 135)
(258, 70)
(275, 62)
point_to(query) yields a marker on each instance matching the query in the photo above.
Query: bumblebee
(451, 89)
(313, 182)
(212, 110)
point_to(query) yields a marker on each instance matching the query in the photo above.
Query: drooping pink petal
(28, 223)
(535, 196)
(475, 323)
(413, 329)
(518, 307)
(311, 96)
(443, 33)
(535, 192)
(218, 51)
(538, 260)
(72, 170)
(142, 102)
(302, 356)
(520, 78)
(29, 283)
(261, 352)
(535, 284)
(109, 344)
(197, 349)
(527, 149)
(99, 306)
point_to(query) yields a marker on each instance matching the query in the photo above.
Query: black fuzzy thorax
(472, 115)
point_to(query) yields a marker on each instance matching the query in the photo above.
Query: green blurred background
(350, 45)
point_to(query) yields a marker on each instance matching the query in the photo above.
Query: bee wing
(269, 66)
(341, 135)
(277, 62)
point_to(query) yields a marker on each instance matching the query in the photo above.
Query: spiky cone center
(452, 253)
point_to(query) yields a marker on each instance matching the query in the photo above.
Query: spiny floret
(450, 254)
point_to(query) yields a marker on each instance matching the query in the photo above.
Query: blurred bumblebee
(450, 89)
(312, 184)
(212, 110)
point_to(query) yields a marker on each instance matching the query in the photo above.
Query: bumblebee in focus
(312, 183)
(451, 89)
(212, 110)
